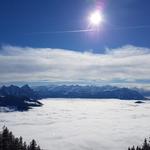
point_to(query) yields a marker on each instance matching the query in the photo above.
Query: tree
(33, 145)
(145, 146)
(9, 142)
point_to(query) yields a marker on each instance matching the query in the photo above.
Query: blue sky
(21, 22)
(33, 50)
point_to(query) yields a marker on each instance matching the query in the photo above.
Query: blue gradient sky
(21, 22)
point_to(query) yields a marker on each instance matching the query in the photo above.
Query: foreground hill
(104, 92)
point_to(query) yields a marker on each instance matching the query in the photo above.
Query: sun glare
(96, 18)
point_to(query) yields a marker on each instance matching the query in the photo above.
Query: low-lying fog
(75, 124)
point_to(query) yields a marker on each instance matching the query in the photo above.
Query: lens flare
(96, 18)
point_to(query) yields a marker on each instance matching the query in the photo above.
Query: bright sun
(96, 18)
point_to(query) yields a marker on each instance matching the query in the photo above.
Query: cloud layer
(127, 63)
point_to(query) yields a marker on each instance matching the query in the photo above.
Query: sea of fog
(75, 124)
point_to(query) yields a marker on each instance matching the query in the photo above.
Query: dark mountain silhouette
(24, 91)
(18, 98)
(76, 91)
(139, 102)
(18, 103)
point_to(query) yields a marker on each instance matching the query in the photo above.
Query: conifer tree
(9, 142)
(145, 146)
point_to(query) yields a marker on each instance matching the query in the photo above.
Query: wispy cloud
(128, 64)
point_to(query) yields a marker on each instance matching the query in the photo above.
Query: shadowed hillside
(18, 98)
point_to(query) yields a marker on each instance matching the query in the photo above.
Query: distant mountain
(144, 92)
(76, 91)
(22, 98)
(18, 98)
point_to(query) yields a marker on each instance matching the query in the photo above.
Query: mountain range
(22, 98)
(77, 91)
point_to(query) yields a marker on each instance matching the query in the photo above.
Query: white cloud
(127, 63)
